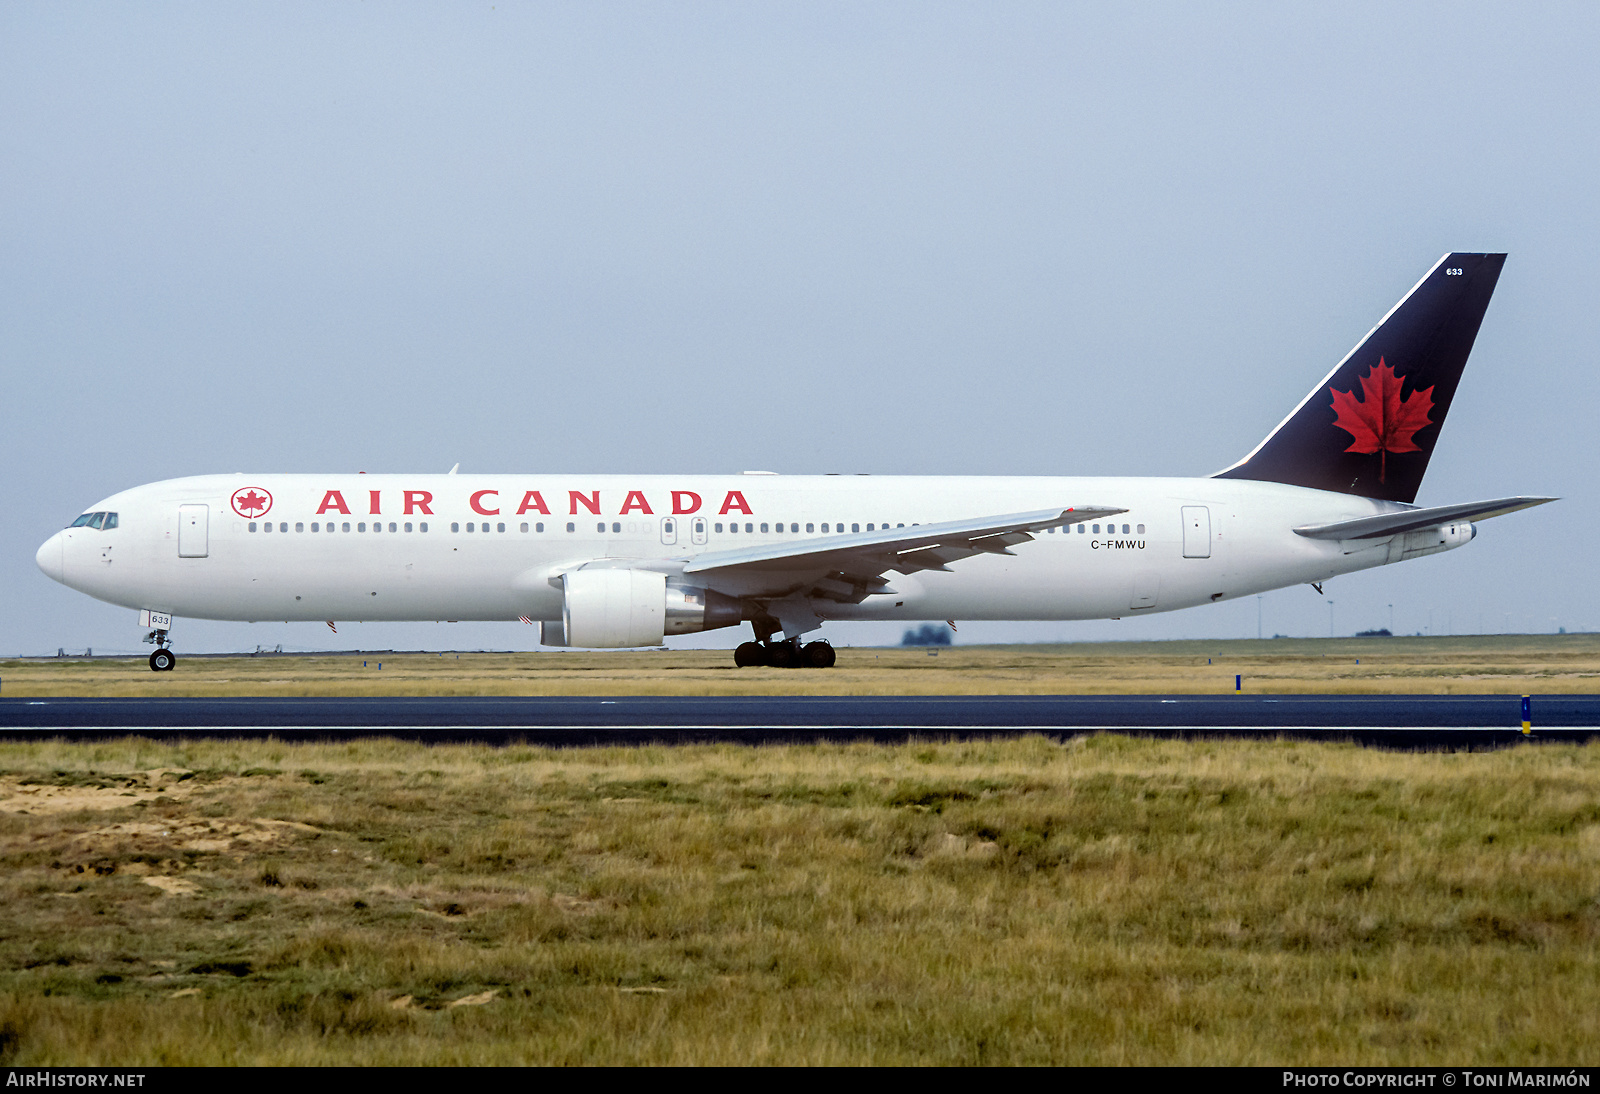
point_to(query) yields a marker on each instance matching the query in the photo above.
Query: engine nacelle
(612, 608)
(690, 610)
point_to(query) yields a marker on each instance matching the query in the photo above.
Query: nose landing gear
(163, 659)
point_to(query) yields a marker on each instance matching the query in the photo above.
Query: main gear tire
(749, 655)
(162, 661)
(818, 655)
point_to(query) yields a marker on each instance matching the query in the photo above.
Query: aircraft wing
(852, 567)
(1410, 520)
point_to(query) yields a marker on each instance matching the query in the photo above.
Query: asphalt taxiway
(1403, 721)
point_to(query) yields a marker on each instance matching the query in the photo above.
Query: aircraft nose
(52, 557)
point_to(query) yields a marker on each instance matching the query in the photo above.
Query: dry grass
(1101, 901)
(1486, 664)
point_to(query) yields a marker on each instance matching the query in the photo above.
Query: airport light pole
(1330, 619)
(1258, 618)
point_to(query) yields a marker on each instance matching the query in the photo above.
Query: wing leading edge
(852, 567)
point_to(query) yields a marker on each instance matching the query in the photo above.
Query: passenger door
(1196, 531)
(193, 533)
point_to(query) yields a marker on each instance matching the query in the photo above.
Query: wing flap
(852, 566)
(1411, 520)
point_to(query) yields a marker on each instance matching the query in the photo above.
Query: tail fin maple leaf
(1381, 421)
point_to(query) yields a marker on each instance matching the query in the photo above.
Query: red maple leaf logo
(1381, 421)
(248, 503)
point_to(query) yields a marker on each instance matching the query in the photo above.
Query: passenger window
(824, 526)
(869, 528)
(408, 526)
(267, 527)
(763, 526)
(717, 527)
(539, 527)
(345, 526)
(502, 527)
(524, 526)
(1124, 529)
(616, 526)
(299, 526)
(361, 527)
(855, 527)
(471, 527)
(811, 527)
(252, 526)
(899, 525)
(454, 527)
(571, 527)
(1052, 531)
(315, 527)
(423, 527)
(391, 526)
(1141, 529)
(1097, 529)
(1080, 529)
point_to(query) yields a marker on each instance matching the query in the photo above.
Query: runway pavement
(1405, 721)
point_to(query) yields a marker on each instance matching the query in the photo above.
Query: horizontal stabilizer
(1410, 520)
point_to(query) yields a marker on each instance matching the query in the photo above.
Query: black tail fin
(1371, 424)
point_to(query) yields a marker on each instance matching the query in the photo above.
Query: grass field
(1100, 901)
(1515, 664)
(1103, 900)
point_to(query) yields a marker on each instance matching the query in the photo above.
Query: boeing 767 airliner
(623, 560)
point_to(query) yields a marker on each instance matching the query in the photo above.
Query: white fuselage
(1181, 542)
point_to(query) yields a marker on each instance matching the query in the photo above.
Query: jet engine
(618, 607)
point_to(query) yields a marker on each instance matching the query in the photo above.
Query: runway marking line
(798, 728)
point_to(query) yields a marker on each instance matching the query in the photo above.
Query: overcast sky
(693, 237)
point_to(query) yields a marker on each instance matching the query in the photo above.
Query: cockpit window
(101, 520)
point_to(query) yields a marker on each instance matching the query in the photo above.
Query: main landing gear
(163, 659)
(784, 655)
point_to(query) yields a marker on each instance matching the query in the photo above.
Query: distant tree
(929, 634)
(1381, 632)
